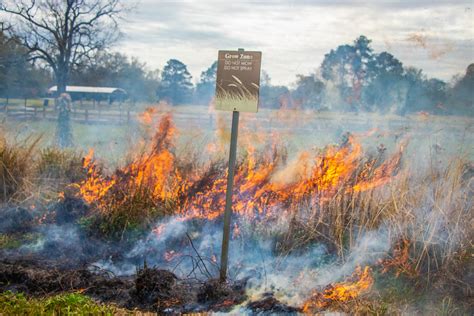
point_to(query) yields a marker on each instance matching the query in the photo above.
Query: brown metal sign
(238, 80)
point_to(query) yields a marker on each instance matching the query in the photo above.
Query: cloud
(295, 35)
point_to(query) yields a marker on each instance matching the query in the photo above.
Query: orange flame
(263, 181)
(146, 117)
(400, 261)
(95, 187)
(360, 282)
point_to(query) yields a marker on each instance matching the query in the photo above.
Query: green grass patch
(9, 242)
(62, 304)
(14, 241)
(29, 102)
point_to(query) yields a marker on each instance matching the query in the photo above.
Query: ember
(400, 262)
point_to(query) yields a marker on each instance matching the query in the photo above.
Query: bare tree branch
(64, 33)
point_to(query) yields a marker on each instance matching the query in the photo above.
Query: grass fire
(344, 227)
(130, 187)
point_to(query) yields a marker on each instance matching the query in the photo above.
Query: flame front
(264, 181)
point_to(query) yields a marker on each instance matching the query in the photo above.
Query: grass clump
(16, 162)
(63, 304)
(14, 241)
(9, 242)
(54, 163)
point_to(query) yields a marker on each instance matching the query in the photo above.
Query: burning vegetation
(340, 228)
(359, 283)
(265, 182)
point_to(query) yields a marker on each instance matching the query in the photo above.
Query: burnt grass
(151, 289)
(61, 266)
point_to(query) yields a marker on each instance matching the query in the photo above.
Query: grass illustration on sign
(237, 96)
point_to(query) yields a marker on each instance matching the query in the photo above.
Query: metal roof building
(84, 89)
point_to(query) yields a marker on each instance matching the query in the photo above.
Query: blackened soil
(151, 289)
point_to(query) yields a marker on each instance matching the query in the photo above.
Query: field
(450, 135)
(333, 212)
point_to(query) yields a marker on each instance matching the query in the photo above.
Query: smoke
(59, 237)
(253, 257)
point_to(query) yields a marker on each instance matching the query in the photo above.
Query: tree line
(68, 43)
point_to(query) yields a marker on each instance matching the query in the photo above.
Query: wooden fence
(99, 113)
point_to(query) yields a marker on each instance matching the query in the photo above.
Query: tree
(12, 59)
(349, 69)
(18, 77)
(272, 96)
(415, 96)
(386, 89)
(64, 34)
(462, 94)
(175, 86)
(309, 91)
(359, 79)
(206, 86)
(363, 61)
(117, 70)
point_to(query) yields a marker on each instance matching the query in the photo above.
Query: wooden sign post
(237, 90)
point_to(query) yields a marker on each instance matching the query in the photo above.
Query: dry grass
(29, 173)
(55, 165)
(427, 215)
(16, 163)
(434, 212)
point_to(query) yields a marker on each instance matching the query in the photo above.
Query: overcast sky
(294, 35)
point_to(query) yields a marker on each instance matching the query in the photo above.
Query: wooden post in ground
(250, 75)
(228, 195)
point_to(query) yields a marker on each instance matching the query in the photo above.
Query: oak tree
(63, 33)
